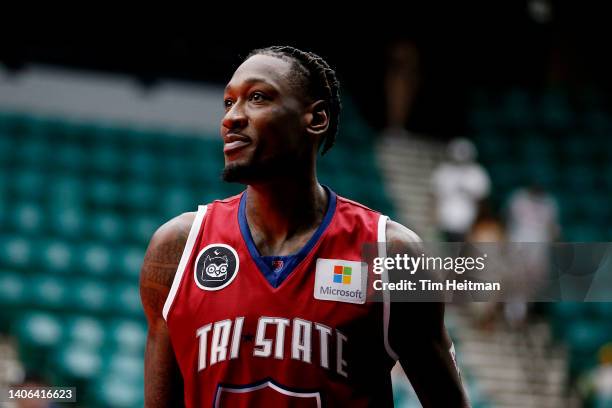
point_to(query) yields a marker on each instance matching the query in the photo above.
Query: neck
(282, 215)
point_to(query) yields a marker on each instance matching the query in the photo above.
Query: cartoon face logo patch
(216, 267)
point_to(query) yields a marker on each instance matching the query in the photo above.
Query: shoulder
(160, 263)
(353, 204)
(165, 250)
(172, 234)
(402, 239)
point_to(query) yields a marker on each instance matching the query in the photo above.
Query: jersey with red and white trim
(311, 341)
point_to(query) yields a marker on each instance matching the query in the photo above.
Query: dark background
(462, 47)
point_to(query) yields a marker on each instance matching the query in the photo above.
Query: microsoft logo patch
(342, 274)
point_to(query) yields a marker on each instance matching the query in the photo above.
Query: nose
(235, 118)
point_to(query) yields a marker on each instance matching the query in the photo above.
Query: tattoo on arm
(159, 267)
(163, 380)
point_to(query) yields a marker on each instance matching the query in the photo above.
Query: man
(459, 184)
(231, 291)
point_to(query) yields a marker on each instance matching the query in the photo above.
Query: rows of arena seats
(560, 140)
(78, 203)
(557, 140)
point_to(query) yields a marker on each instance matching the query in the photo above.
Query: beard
(256, 171)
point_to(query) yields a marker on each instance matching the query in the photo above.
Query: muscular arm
(163, 381)
(418, 335)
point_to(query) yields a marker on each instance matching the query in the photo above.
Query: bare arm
(163, 381)
(419, 337)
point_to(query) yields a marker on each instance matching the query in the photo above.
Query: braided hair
(319, 80)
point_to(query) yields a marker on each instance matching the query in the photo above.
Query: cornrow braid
(320, 81)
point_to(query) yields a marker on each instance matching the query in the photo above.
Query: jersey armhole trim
(382, 252)
(178, 276)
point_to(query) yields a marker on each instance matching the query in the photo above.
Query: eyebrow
(253, 80)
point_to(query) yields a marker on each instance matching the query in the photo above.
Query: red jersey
(310, 341)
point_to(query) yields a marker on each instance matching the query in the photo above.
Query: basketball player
(258, 299)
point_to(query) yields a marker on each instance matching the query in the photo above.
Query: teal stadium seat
(7, 147)
(173, 170)
(39, 329)
(16, 252)
(107, 227)
(535, 146)
(120, 383)
(13, 287)
(126, 300)
(141, 228)
(555, 111)
(65, 190)
(67, 222)
(76, 361)
(595, 207)
(34, 152)
(90, 296)
(4, 217)
(84, 331)
(206, 169)
(28, 184)
(69, 158)
(508, 175)
(142, 165)
(177, 200)
(27, 218)
(104, 193)
(605, 175)
(579, 149)
(580, 178)
(95, 259)
(115, 392)
(543, 172)
(493, 145)
(127, 366)
(48, 291)
(58, 257)
(603, 311)
(130, 260)
(516, 109)
(580, 232)
(139, 196)
(127, 335)
(106, 160)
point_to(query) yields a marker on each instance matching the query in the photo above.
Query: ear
(317, 118)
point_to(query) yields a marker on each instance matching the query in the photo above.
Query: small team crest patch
(277, 265)
(216, 267)
(341, 281)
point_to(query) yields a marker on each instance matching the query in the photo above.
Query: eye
(227, 103)
(257, 97)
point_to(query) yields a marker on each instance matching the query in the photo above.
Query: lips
(234, 142)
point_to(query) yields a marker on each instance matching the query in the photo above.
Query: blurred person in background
(532, 215)
(402, 81)
(532, 218)
(458, 185)
(596, 385)
(487, 228)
